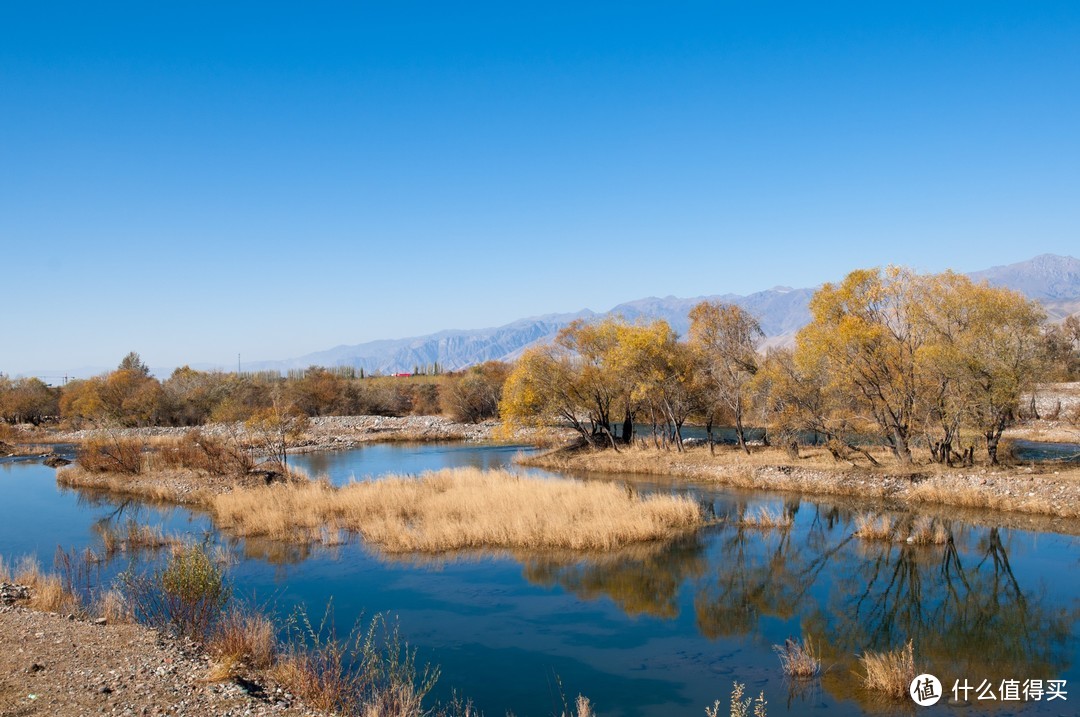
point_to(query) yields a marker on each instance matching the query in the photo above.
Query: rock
(55, 461)
(10, 593)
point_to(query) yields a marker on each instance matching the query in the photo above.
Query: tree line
(889, 357)
(131, 396)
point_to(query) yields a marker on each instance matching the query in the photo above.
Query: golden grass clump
(248, 637)
(766, 519)
(132, 538)
(927, 531)
(889, 673)
(923, 530)
(47, 592)
(460, 508)
(798, 659)
(871, 527)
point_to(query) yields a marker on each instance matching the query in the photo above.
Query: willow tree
(865, 335)
(988, 342)
(592, 375)
(725, 339)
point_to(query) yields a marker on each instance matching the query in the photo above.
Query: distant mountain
(1053, 281)
(782, 311)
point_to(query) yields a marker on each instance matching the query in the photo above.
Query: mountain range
(1052, 280)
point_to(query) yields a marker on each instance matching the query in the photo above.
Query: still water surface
(654, 630)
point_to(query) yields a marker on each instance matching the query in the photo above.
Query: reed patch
(457, 509)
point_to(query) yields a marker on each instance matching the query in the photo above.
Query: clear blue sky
(193, 180)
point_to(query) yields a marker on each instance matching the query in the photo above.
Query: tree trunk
(628, 428)
(739, 432)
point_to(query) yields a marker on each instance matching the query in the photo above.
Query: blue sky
(196, 180)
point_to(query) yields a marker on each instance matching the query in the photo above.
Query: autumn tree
(725, 339)
(277, 426)
(591, 376)
(992, 348)
(27, 400)
(474, 395)
(864, 334)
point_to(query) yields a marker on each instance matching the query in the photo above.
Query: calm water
(654, 630)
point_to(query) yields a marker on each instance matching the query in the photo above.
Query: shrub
(111, 454)
(199, 451)
(187, 594)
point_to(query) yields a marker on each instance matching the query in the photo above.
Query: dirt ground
(55, 666)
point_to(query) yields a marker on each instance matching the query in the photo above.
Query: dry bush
(244, 636)
(111, 454)
(798, 659)
(198, 451)
(459, 508)
(889, 673)
(5, 571)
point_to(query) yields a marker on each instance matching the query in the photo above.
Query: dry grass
(47, 592)
(112, 606)
(873, 527)
(740, 706)
(133, 537)
(766, 519)
(798, 659)
(889, 673)
(921, 530)
(244, 637)
(460, 509)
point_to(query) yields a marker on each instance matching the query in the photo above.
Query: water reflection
(657, 628)
(642, 580)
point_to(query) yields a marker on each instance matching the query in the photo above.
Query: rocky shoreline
(340, 432)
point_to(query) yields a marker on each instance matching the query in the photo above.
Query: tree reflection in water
(960, 602)
(642, 580)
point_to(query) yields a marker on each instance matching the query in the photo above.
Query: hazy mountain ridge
(1053, 280)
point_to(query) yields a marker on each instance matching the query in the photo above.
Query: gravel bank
(51, 665)
(341, 432)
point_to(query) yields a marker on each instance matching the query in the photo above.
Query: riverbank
(1040, 490)
(333, 432)
(56, 665)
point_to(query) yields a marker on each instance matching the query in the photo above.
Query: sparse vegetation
(740, 706)
(889, 673)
